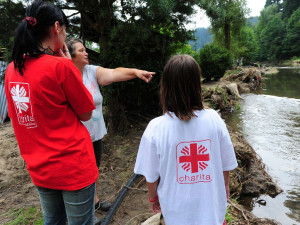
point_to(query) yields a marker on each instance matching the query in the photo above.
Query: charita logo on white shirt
(193, 162)
(20, 93)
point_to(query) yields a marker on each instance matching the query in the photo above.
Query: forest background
(145, 33)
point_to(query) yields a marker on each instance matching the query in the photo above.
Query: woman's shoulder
(90, 70)
(153, 125)
(54, 61)
(208, 111)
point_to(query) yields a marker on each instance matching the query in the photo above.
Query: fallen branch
(242, 211)
(144, 178)
(138, 189)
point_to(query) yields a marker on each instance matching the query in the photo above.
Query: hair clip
(31, 20)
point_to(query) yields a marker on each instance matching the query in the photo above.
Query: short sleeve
(147, 162)
(226, 148)
(76, 93)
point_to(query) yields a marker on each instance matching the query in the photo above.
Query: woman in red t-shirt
(46, 101)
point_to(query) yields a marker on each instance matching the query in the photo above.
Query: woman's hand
(64, 52)
(155, 206)
(144, 75)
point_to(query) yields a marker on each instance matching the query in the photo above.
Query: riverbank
(18, 195)
(294, 62)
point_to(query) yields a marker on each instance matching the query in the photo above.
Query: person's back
(43, 108)
(184, 153)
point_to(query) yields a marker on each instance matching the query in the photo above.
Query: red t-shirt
(43, 105)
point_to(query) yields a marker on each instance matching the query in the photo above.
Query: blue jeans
(77, 206)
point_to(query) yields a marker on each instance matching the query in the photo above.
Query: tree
(245, 45)
(266, 15)
(274, 2)
(214, 61)
(227, 15)
(289, 6)
(145, 39)
(271, 38)
(11, 14)
(291, 42)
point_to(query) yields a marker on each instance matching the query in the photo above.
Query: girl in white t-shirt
(186, 154)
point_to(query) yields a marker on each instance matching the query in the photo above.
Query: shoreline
(250, 178)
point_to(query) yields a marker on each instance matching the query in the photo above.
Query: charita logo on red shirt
(20, 93)
(193, 162)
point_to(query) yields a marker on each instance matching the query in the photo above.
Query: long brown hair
(180, 88)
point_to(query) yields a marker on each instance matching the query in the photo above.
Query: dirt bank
(17, 190)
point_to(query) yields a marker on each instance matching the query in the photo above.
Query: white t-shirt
(189, 157)
(95, 125)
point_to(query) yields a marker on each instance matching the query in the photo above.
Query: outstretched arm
(153, 197)
(107, 76)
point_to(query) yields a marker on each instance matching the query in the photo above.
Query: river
(270, 123)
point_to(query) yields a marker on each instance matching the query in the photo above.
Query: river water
(270, 123)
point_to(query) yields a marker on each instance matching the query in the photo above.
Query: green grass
(228, 217)
(234, 71)
(32, 216)
(237, 106)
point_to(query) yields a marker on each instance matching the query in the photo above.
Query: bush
(214, 61)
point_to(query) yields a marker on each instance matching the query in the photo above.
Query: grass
(237, 106)
(32, 216)
(234, 71)
(292, 61)
(228, 217)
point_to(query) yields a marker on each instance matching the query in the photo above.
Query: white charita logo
(20, 98)
(20, 94)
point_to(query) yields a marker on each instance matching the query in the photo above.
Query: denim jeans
(77, 206)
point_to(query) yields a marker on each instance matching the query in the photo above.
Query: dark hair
(29, 36)
(180, 88)
(70, 42)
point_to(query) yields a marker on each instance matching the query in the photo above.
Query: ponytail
(30, 33)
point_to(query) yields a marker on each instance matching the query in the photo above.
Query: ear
(56, 27)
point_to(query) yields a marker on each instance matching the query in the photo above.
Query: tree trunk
(227, 33)
(117, 121)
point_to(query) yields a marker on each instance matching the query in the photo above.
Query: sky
(201, 20)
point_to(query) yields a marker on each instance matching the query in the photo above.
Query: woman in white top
(92, 77)
(186, 154)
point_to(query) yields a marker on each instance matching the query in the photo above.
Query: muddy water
(270, 122)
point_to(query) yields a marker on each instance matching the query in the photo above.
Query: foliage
(266, 15)
(24, 216)
(11, 14)
(291, 42)
(278, 30)
(274, 2)
(289, 6)
(228, 216)
(227, 17)
(214, 61)
(186, 49)
(153, 32)
(271, 39)
(245, 45)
